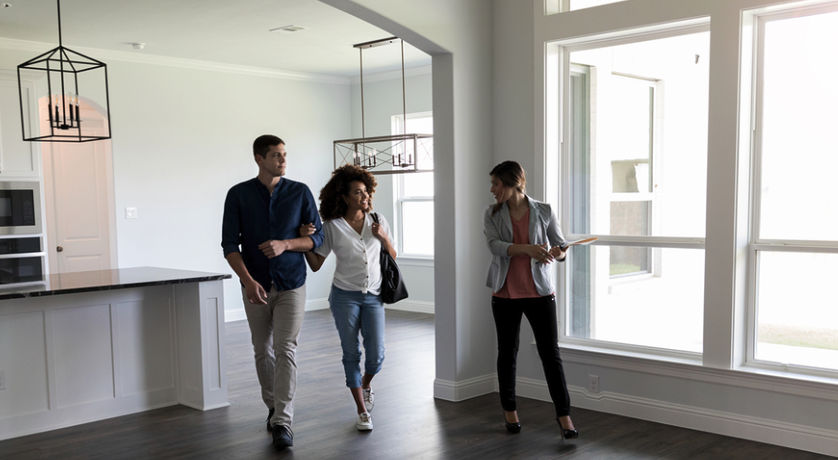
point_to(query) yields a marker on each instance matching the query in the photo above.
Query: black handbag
(392, 283)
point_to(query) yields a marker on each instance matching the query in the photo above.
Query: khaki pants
(274, 329)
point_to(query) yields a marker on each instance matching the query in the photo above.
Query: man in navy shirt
(261, 242)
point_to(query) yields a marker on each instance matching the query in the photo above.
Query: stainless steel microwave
(20, 208)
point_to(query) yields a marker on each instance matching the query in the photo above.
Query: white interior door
(79, 201)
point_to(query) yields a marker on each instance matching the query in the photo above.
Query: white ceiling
(221, 31)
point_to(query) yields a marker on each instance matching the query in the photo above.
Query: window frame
(757, 21)
(399, 197)
(562, 50)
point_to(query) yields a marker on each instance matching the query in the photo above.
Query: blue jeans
(356, 312)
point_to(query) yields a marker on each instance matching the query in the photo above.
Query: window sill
(790, 383)
(415, 261)
(659, 355)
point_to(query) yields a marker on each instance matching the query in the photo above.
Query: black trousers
(541, 313)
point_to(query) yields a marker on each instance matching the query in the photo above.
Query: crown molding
(141, 58)
(392, 75)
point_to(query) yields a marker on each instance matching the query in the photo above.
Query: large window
(414, 192)
(635, 176)
(794, 250)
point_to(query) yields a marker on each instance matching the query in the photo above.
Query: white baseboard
(238, 314)
(317, 304)
(416, 306)
(767, 431)
(234, 315)
(466, 389)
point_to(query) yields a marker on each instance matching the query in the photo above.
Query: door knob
(59, 249)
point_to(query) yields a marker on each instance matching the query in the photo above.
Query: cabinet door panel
(17, 158)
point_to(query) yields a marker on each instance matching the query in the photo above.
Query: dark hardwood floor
(409, 422)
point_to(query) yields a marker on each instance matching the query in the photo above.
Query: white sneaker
(369, 399)
(364, 422)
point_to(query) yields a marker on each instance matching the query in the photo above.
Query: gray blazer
(544, 228)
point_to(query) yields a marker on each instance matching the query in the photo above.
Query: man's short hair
(264, 143)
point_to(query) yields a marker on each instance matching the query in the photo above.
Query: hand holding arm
(314, 260)
(273, 248)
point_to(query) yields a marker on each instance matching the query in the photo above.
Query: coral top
(519, 282)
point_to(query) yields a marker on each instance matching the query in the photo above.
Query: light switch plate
(130, 213)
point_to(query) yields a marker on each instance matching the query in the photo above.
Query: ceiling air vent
(288, 29)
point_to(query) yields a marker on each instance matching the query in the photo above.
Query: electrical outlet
(593, 383)
(2, 380)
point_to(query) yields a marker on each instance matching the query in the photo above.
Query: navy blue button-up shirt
(252, 216)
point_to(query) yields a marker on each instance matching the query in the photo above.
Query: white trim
(749, 378)
(791, 246)
(234, 315)
(671, 242)
(791, 9)
(465, 389)
(407, 260)
(416, 306)
(109, 55)
(763, 430)
(635, 35)
(34, 423)
(621, 350)
(317, 304)
(393, 74)
(768, 431)
(238, 314)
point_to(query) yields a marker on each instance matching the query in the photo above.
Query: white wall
(382, 100)
(182, 137)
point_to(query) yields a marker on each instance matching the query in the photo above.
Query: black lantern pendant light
(66, 71)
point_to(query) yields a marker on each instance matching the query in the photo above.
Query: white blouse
(358, 265)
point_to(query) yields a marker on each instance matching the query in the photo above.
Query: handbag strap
(375, 219)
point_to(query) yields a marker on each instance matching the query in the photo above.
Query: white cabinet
(17, 158)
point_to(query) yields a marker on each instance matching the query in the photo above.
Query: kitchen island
(84, 346)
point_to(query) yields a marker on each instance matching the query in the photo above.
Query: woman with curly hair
(356, 239)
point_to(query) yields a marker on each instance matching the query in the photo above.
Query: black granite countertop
(103, 280)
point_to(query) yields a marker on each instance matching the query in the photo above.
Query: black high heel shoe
(513, 428)
(567, 434)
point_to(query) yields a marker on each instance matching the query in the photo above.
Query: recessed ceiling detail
(288, 29)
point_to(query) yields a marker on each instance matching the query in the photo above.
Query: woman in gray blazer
(524, 237)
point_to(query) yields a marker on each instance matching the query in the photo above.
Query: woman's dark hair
(332, 204)
(511, 174)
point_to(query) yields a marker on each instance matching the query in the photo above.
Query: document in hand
(578, 242)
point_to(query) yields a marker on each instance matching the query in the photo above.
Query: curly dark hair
(332, 204)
